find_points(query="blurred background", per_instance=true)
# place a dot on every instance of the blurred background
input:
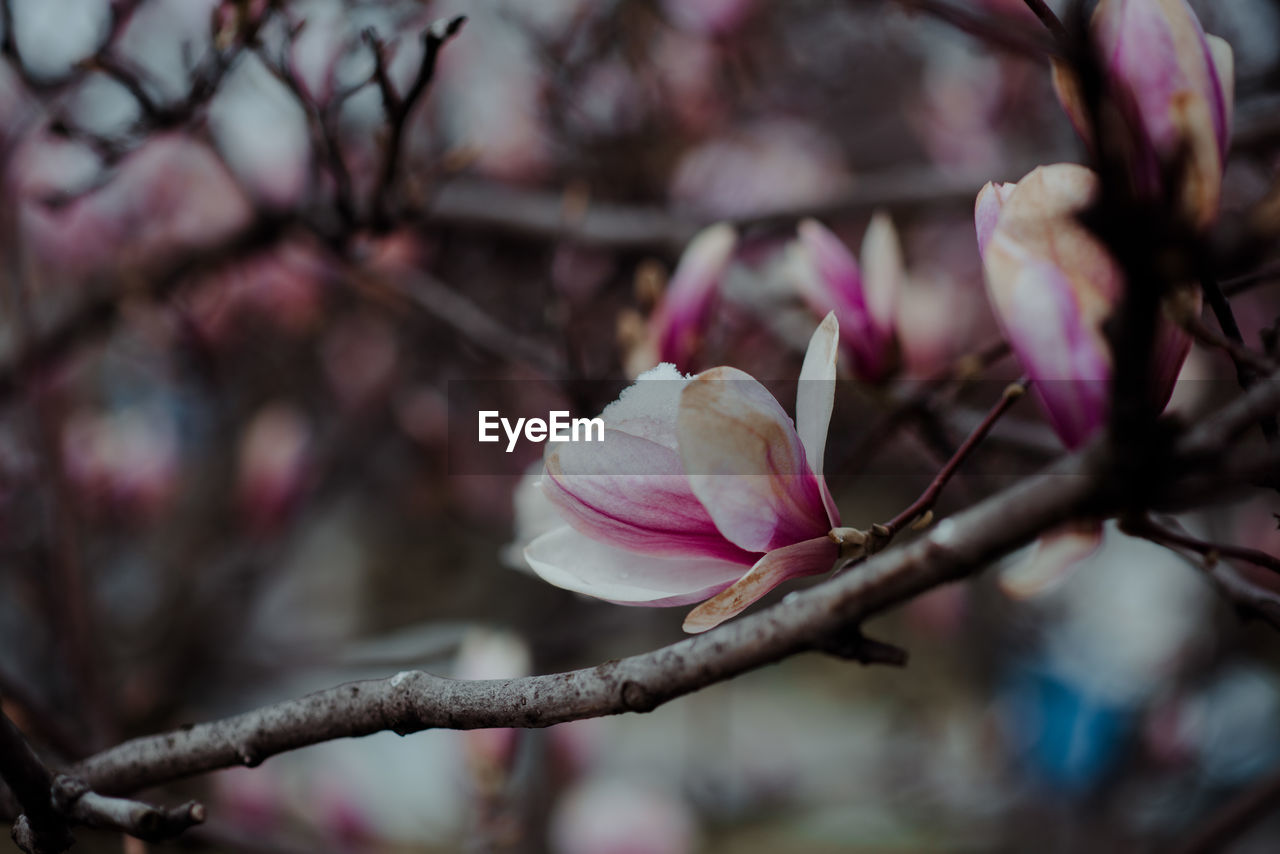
(227, 347)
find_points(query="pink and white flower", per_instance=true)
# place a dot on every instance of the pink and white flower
(864, 300)
(1176, 84)
(1053, 285)
(681, 316)
(703, 489)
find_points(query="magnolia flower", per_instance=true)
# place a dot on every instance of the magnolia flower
(1176, 83)
(702, 488)
(684, 309)
(865, 301)
(1053, 285)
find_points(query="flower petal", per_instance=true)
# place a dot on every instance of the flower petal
(633, 494)
(806, 558)
(1053, 558)
(746, 464)
(1061, 352)
(815, 400)
(883, 272)
(681, 316)
(986, 211)
(567, 559)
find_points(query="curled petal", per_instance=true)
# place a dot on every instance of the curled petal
(806, 558)
(746, 463)
(567, 559)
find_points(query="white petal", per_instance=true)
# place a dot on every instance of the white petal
(567, 559)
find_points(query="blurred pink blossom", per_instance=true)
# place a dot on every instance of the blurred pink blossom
(170, 194)
(126, 461)
(713, 18)
(866, 303)
(703, 487)
(273, 466)
(762, 167)
(491, 655)
(680, 318)
(617, 816)
(1053, 285)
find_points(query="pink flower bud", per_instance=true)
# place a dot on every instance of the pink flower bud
(1053, 285)
(1177, 85)
(702, 487)
(829, 279)
(681, 316)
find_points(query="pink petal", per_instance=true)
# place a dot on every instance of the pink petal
(680, 318)
(1065, 357)
(567, 559)
(815, 400)
(986, 212)
(806, 558)
(829, 280)
(1055, 555)
(746, 464)
(633, 494)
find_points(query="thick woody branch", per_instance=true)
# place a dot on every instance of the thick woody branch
(52, 805)
(412, 701)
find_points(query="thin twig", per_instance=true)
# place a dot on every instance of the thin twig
(1239, 353)
(399, 108)
(1146, 528)
(1246, 371)
(922, 505)
(993, 29)
(1049, 18)
(1246, 282)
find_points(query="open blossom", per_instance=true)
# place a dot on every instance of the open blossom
(703, 487)
(1175, 82)
(1053, 285)
(864, 300)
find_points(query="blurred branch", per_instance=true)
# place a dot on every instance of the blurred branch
(98, 313)
(1143, 526)
(1240, 284)
(1248, 365)
(997, 30)
(398, 108)
(547, 214)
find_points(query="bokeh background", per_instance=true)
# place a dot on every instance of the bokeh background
(225, 469)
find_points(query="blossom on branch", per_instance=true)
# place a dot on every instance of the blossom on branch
(865, 300)
(1174, 84)
(1053, 285)
(703, 487)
